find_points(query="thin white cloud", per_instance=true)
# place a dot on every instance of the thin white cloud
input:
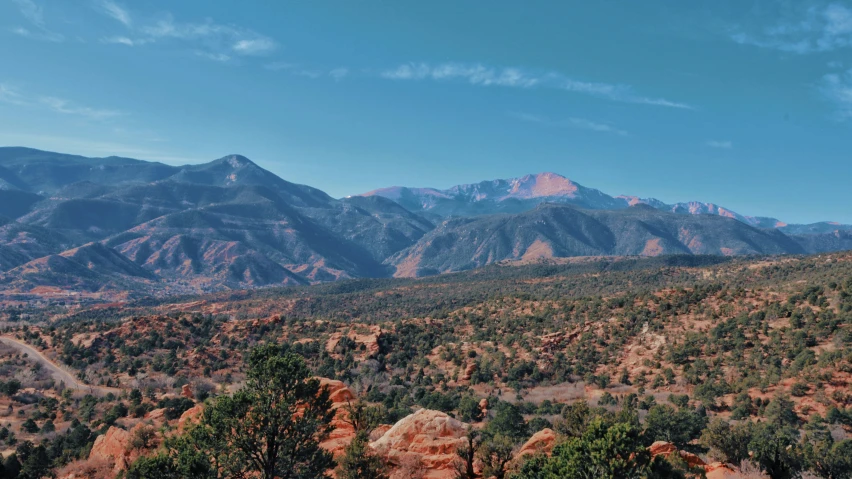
(474, 74)
(480, 75)
(216, 57)
(13, 96)
(208, 39)
(10, 95)
(60, 105)
(298, 70)
(837, 87)
(571, 122)
(721, 144)
(256, 46)
(122, 40)
(812, 29)
(339, 73)
(34, 14)
(117, 12)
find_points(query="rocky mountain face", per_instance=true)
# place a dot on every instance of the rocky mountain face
(558, 231)
(499, 196)
(118, 224)
(228, 223)
(522, 194)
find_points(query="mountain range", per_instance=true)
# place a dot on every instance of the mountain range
(71, 223)
(522, 194)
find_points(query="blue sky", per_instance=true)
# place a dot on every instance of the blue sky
(744, 103)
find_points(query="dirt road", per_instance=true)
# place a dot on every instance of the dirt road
(59, 374)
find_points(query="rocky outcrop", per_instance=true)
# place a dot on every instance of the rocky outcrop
(718, 470)
(483, 406)
(468, 372)
(541, 442)
(343, 432)
(715, 470)
(112, 447)
(338, 392)
(665, 449)
(431, 437)
(156, 415)
(190, 416)
(186, 391)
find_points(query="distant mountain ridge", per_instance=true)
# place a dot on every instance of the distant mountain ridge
(130, 227)
(522, 194)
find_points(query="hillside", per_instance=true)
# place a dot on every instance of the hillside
(224, 224)
(230, 224)
(684, 346)
(558, 231)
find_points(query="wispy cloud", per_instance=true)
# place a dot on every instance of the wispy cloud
(66, 107)
(810, 29)
(34, 14)
(10, 95)
(13, 96)
(571, 122)
(339, 73)
(117, 12)
(721, 144)
(473, 74)
(293, 69)
(216, 57)
(513, 77)
(255, 46)
(299, 70)
(208, 39)
(837, 87)
(122, 40)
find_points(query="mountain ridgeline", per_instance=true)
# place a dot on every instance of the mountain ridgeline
(70, 223)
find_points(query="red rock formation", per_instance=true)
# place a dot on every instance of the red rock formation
(468, 372)
(343, 432)
(483, 406)
(190, 416)
(662, 448)
(665, 449)
(379, 432)
(112, 446)
(432, 436)
(718, 470)
(186, 391)
(338, 392)
(542, 441)
(156, 415)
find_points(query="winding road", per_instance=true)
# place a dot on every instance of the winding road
(59, 374)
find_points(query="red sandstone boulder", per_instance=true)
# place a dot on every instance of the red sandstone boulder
(662, 448)
(113, 447)
(186, 391)
(718, 470)
(379, 432)
(343, 432)
(468, 372)
(190, 416)
(432, 436)
(338, 392)
(156, 415)
(542, 441)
